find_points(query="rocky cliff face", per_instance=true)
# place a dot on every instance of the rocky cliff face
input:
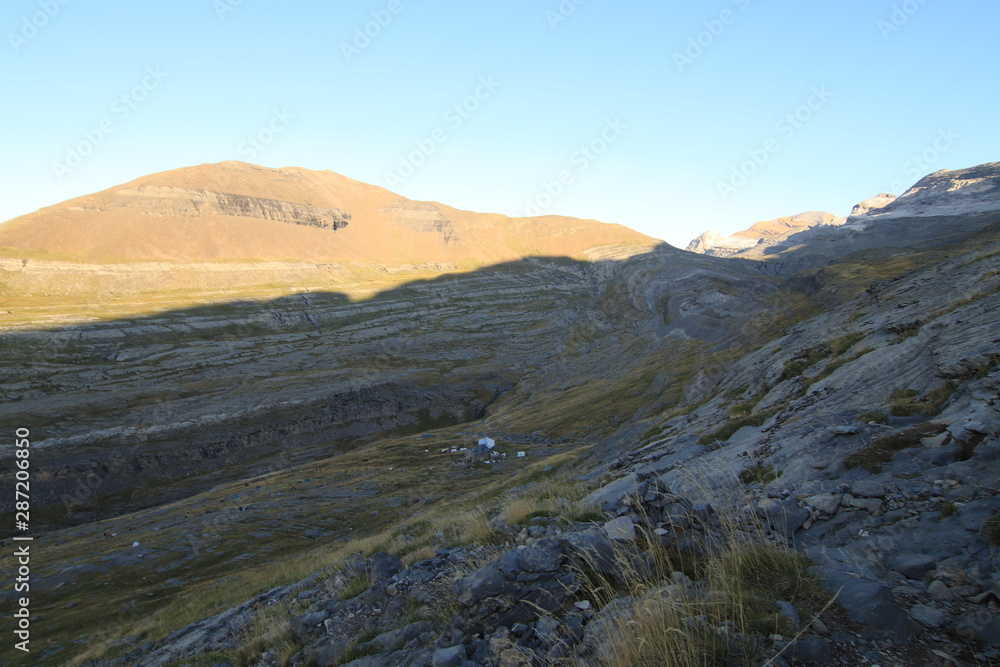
(189, 203)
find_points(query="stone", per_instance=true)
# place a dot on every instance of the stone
(849, 429)
(825, 503)
(453, 656)
(973, 515)
(936, 440)
(547, 630)
(704, 511)
(869, 604)
(868, 488)
(331, 653)
(545, 555)
(980, 626)
(394, 639)
(483, 583)
(937, 456)
(307, 625)
(612, 493)
(593, 549)
(512, 657)
(913, 566)
(789, 611)
(938, 590)
(870, 505)
(932, 617)
(785, 517)
(814, 650)
(621, 529)
(383, 567)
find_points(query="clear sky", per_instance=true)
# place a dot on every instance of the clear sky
(669, 117)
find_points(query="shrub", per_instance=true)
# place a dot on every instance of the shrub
(906, 331)
(904, 402)
(991, 529)
(743, 409)
(355, 586)
(669, 624)
(876, 417)
(794, 368)
(735, 425)
(840, 345)
(758, 474)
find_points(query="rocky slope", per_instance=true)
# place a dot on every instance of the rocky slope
(841, 397)
(923, 216)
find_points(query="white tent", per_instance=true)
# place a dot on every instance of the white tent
(488, 443)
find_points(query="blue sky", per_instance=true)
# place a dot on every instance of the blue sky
(669, 117)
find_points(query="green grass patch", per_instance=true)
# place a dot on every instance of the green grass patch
(834, 365)
(872, 417)
(947, 509)
(838, 346)
(758, 474)
(905, 332)
(874, 457)
(907, 402)
(671, 628)
(991, 529)
(355, 586)
(743, 409)
(734, 425)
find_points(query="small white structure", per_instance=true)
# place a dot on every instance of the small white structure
(520, 455)
(483, 451)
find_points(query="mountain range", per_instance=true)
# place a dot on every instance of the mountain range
(257, 370)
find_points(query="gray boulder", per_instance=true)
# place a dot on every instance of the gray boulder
(453, 656)
(981, 626)
(869, 604)
(913, 566)
(811, 650)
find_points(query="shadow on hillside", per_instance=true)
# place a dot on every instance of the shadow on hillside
(564, 269)
(123, 402)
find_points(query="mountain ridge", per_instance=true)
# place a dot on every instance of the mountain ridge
(973, 191)
(233, 211)
(841, 395)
